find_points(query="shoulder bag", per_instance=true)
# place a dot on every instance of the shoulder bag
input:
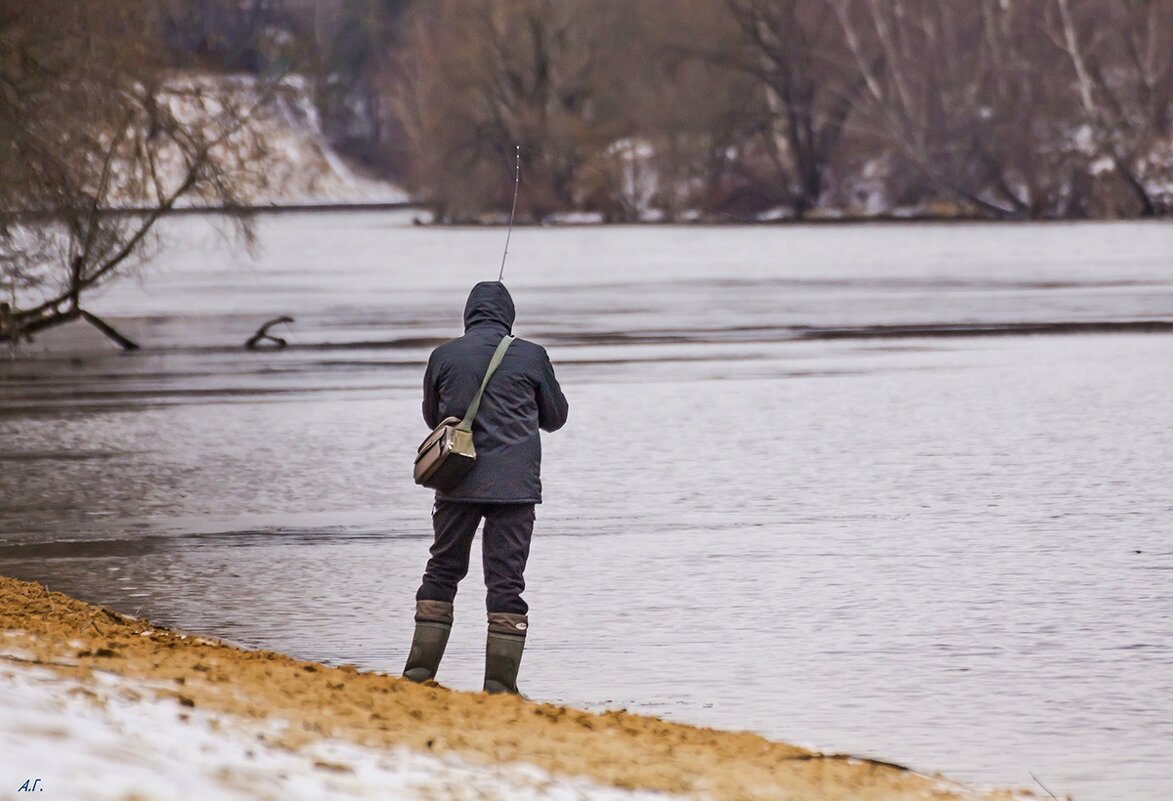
(446, 455)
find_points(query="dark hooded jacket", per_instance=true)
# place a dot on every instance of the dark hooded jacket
(522, 396)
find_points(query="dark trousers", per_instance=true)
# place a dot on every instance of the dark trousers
(504, 550)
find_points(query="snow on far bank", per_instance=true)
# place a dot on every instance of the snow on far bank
(304, 168)
(281, 157)
(113, 739)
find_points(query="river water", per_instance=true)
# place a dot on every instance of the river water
(894, 490)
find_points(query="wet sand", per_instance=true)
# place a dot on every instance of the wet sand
(79, 640)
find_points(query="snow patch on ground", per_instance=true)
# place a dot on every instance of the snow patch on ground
(113, 739)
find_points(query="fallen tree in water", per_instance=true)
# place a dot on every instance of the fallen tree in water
(14, 329)
(93, 124)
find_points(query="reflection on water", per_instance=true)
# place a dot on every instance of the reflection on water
(766, 512)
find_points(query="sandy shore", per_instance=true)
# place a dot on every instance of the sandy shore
(82, 645)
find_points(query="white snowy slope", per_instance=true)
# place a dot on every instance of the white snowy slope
(303, 168)
(111, 740)
(285, 158)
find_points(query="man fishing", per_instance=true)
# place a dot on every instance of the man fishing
(502, 488)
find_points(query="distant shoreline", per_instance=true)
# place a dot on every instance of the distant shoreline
(576, 219)
(714, 221)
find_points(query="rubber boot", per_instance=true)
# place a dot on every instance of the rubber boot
(433, 624)
(503, 650)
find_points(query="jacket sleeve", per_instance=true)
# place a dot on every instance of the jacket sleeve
(552, 405)
(431, 393)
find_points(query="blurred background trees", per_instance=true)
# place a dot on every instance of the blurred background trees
(473, 81)
(658, 109)
(712, 109)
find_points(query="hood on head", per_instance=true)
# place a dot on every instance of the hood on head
(489, 302)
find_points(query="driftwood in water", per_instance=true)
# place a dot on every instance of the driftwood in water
(263, 335)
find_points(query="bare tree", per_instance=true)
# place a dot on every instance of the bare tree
(1121, 58)
(1006, 109)
(955, 90)
(100, 141)
(685, 115)
(798, 55)
(474, 81)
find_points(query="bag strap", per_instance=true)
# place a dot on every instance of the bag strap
(498, 355)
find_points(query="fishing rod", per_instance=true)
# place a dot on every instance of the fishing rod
(509, 233)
